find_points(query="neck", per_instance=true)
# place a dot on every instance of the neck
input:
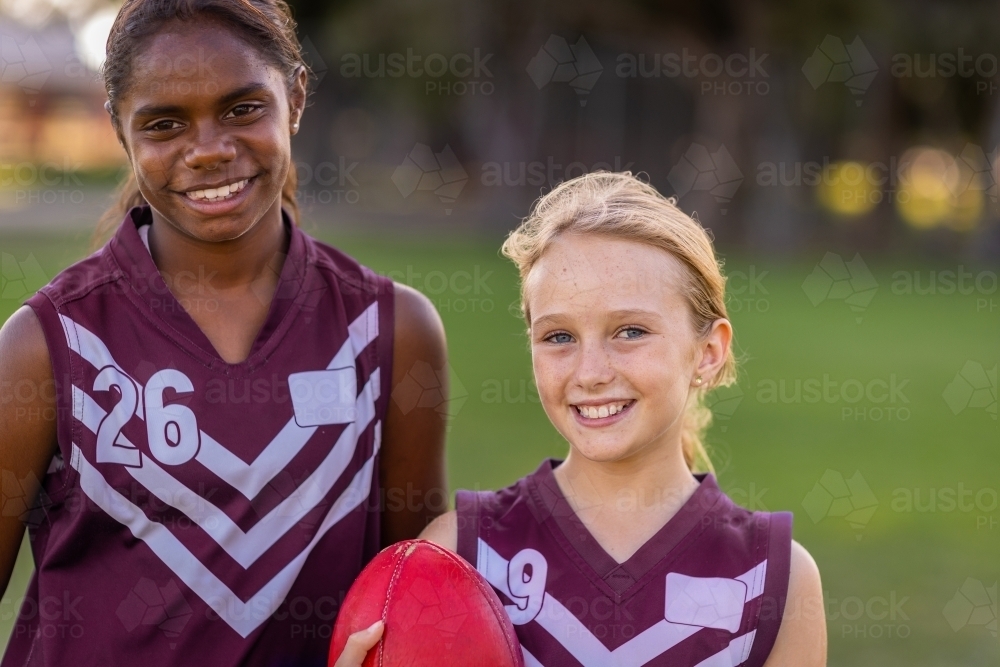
(654, 483)
(221, 265)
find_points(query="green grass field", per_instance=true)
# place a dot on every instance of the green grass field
(857, 464)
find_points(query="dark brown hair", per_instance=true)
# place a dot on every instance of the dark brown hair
(266, 25)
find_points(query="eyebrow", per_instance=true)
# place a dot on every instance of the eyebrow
(545, 320)
(167, 109)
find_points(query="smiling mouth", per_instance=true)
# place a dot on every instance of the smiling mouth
(218, 194)
(602, 411)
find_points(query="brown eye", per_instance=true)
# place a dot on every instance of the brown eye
(244, 109)
(163, 126)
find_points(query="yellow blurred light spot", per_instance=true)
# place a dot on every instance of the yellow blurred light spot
(848, 189)
(938, 190)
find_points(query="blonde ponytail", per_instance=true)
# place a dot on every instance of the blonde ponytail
(622, 206)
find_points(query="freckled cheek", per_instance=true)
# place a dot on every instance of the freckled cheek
(551, 377)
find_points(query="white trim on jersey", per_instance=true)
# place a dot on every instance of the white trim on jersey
(243, 617)
(248, 479)
(590, 651)
(244, 547)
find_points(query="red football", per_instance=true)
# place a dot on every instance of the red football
(438, 612)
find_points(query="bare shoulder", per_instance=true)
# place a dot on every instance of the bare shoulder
(23, 350)
(801, 640)
(417, 316)
(443, 531)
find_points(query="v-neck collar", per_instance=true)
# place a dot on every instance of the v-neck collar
(137, 267)
(619, 580)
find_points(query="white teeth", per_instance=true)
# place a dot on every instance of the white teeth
(218, 194)
(600, 412)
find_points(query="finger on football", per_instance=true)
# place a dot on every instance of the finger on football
(358, 645)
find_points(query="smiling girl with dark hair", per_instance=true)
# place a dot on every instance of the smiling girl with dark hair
(209, 463)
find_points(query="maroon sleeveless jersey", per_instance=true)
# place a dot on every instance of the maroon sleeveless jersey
(707, 590)
(200, 512)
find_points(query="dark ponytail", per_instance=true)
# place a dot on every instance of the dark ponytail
(267, 25)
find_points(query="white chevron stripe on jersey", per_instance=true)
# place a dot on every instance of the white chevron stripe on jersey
(246, 548)
(248, 479)
(735, 654)
(530, 660)
(754, 579)
(577, 639)
(243, 616)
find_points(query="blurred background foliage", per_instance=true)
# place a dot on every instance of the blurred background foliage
(850, 183)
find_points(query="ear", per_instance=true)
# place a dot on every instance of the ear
(297, 99)
(714, 348)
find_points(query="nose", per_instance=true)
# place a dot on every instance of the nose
(594, 366)
(211, 149)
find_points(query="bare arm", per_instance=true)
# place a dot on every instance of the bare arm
(27, 422)
(412, 470)
(443, 531)
(801, 640)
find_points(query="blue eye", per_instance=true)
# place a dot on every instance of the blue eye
(631, 333)
(560, 338)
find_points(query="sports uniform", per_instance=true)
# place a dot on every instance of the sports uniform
(200, 512)
(707, 590)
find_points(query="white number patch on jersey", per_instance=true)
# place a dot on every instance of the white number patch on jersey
(692, 604)
(324, 397)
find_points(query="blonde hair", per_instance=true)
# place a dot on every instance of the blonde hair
(622, 206)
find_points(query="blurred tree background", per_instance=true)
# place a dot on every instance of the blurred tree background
(843, 154)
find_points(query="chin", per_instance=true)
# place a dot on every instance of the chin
(604, 453)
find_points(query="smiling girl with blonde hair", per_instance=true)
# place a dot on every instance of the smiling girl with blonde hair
(622, 554)
(628, 553)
